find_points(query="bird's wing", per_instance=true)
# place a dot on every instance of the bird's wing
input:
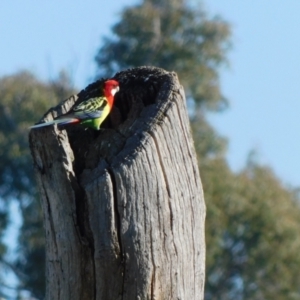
(90, 109)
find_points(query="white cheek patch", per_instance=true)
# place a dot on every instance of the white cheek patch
(113, 91)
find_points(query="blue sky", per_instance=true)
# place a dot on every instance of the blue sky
(261, 84)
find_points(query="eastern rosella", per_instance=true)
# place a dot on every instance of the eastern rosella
(90, 113)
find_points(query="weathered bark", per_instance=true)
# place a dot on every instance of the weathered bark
(123, 209)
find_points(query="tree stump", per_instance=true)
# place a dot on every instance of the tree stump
(123, 207)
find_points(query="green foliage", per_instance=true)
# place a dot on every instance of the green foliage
(252, 225)
(251, 233)
(31, 261)
(174, 36)
(23, 101)
(207, 142)
(3, 225)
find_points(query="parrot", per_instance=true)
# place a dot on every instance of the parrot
(91, 112)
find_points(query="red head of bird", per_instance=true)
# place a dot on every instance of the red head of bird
(110, 88)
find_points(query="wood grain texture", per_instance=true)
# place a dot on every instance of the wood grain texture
(124, 209)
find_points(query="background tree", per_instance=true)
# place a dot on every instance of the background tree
(174, 36)
(251, 233)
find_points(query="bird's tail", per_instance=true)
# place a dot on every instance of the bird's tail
(58, 122)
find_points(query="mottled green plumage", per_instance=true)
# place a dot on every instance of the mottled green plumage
(92, 112)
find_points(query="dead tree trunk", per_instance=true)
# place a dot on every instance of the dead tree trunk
(123, 208)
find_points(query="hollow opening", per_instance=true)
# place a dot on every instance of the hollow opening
(139, 88)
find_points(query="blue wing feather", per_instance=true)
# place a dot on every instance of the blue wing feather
(82, 115)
